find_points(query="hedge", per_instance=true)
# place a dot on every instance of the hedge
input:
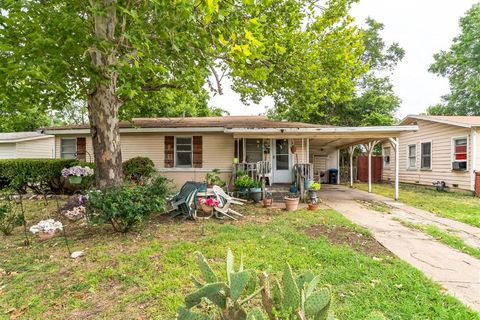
(40, 175)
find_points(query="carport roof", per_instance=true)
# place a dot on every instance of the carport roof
(11, 137)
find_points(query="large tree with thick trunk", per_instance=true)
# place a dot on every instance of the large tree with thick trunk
(127, 57)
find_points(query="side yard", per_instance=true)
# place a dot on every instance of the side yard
(462, 207)
(146, 273)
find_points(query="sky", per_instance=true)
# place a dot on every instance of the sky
(421, 27)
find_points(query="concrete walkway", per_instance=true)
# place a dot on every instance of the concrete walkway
(457, 272)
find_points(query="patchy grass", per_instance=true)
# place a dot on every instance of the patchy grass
(462, 207)
(145, 273)
(443, 236)
(376, 206)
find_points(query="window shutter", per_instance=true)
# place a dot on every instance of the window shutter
(82, 149)
(197, 151)
(169, 151)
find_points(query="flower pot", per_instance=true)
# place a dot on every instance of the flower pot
(75, 179)
(313, 206)
(46, 235)
(312, 195)
(235, 160)
(256, 194)
(205, 208)
(293, 149)
(291, 204)
(293, 189)
(268, 202)
(307, 183)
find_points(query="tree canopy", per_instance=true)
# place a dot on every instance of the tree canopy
(369, 97)
(461, 65)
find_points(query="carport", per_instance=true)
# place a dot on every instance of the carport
(269, 145)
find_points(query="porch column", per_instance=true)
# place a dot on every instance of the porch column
(351, 150)
(338, 166)
(395, 142)
(370, 146)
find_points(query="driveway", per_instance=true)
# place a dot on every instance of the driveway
(457, 272)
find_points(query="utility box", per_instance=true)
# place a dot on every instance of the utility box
(477, 183)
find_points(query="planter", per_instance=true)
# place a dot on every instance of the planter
(307, 183)
(313, 206)
(46, 235)
(293, 189)
(312, 194)
(293, 149)
(256, 194)
(291, 204)
(205, 208)
(268, 202)
(235, 160)
(75, 179)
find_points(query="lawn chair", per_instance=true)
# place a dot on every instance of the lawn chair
(181, 202)
(225, 201)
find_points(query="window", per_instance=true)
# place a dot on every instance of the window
(68, 148)
(426, 155)
(460, 154)
(386, 158)
(183, 152)
(257, 150)
(412, 156)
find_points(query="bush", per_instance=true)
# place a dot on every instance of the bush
(8, 219)
(128, 204)
(40, 175)
(138, 169)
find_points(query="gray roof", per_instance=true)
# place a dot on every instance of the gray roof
(21, 136)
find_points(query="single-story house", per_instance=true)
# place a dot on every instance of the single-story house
(187, 148)
(26, 145)
(445, 148)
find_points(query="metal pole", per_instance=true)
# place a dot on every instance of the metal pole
(370, 150)
(397, 166)
(351, 149)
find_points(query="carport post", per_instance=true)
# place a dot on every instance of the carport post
(351, 150)
(370, 146)
(395, 142)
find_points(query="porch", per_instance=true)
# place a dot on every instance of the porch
(286, 156)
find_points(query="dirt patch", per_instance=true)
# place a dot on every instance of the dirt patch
(344, 236)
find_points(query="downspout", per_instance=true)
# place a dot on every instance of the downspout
(473, 157)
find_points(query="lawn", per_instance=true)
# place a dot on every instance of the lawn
(454, 205)
(145, 273)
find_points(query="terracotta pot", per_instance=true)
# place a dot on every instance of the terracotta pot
(291, 204)
(45, 235)
(313, 206)
(205, 208)
(293, 149)
(268, 202)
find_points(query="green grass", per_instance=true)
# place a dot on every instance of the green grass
(462, 207)
(145, 274)
(443, 236)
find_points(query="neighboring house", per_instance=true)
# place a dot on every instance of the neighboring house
(445, 148)
(187, 148)
(26, 145)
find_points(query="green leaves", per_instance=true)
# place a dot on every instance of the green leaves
(208, 291)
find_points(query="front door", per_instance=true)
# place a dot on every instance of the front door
(281, 161)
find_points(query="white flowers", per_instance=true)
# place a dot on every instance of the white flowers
(46, 226)
(77, 171)
(76, 213)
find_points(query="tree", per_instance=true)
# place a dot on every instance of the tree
(370, 99)
(119, 54)
(25, 120)
(461, 65)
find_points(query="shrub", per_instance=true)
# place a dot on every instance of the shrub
(125, 206)
(213, 177)
(37, 174)
(138, 169)
(8, 219)
(244, 182)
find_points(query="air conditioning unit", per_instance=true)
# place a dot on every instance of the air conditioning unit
(459, 165)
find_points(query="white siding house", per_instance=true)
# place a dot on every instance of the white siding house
(445, 148)
(26, 145)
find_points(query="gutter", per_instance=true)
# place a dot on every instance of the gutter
(26, 139)
(386, 129)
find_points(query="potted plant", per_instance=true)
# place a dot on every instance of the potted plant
(268, 200)
(312, 191)
(291, 202)
(46, 228)
(256, 191)
(208, 204)
(213, 178)
(75, 174)
(243, 183)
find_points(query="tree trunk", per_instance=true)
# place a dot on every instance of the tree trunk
(103, 111)
(103, 103)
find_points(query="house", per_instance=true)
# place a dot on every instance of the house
(187, 148)
(26, 145)
(445, 148)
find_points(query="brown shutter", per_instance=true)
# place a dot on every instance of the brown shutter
(197, 151)
(81, 149)
(169, 151)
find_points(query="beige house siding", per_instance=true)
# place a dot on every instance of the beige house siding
(7, 150)
(477, 151)
(36, 149)
(441, 136)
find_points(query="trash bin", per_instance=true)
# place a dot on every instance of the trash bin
(332, 176)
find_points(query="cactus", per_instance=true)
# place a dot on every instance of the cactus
(290, 298)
